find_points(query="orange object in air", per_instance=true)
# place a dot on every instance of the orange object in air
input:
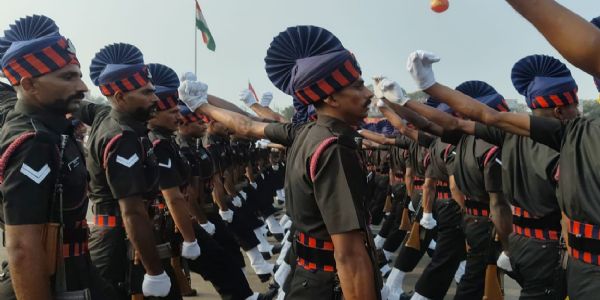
(439, 6)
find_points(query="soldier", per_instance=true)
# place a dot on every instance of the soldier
(442, 210)
(213, 264)
(575, 140)
(43, 175)
(124, 176)
(326, 201)
(477, 171)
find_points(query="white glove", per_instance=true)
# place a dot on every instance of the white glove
(262, 143)
(391, 90)
(190, 250)
(236, 201)
(209, 228)
(254, 185)
(411, 207)
(227, 215)
(266, 98)
(380, 103)
(428, 221)
(188, 76)
(503, 262)
(275, 167)
(378, 93)
(419, 65)
(379, 241)
(193, 93)
(156, 286)
(247, 97)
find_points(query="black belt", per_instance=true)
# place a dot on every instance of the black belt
(314, 254)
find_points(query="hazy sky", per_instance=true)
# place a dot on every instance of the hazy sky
(477, 39)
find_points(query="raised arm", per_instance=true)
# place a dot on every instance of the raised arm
(398, 123)
(417, 118)
(420, 66)
(240, 124)
(376, 137)
(574, 37)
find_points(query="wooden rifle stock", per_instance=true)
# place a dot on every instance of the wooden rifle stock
(405, 221)
(414, 238)
(136, 261)
(492, 290)
(182, 280)
(51, 246)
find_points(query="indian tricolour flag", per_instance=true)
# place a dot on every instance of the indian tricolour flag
(203, 27)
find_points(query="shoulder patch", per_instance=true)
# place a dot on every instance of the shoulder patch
(128, 162)
(167, 165)
(37, 176)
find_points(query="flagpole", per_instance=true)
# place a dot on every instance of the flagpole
(195, 44)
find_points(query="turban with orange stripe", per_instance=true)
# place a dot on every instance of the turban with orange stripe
(119, 67)
(166, 83)
(544, 81)
(310, 63)
(33, 47)
(483, 93)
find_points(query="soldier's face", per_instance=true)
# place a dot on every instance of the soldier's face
(60, 91)
(141, 103)
(168, 119)
(194, 129)
(354, 100)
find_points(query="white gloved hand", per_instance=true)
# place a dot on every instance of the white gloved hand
(193, 93)
(376, 91)
(266, 98)
(411, 207)
(254, 185)
(503, 262)
(157, 285)
(275, 167)
(427, 221)
(247, 97)
(227, 215)
(391, 91)
(419, 65)
(236, 201)
(209, 227)
(188, 76)
(380, 103)
(262, 143)
(190, 250)
(244, 195)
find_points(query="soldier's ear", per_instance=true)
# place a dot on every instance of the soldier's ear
(119, 97)
(27, 84)
(331, 101)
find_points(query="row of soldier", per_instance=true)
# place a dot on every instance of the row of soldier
(473, 172)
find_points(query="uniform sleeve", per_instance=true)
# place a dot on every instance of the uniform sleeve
(490, 134)
(492, 171)
(125, 169)
(402, 142)
(168, 175)
(282, 133)
(450, 159)
(88, 111)
(424, 139)
(452, 137)
(340, 189)
(28, 185)
(547, 131)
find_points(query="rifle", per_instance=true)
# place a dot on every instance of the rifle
(414, 238)
(136, 263)
(493, 287)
